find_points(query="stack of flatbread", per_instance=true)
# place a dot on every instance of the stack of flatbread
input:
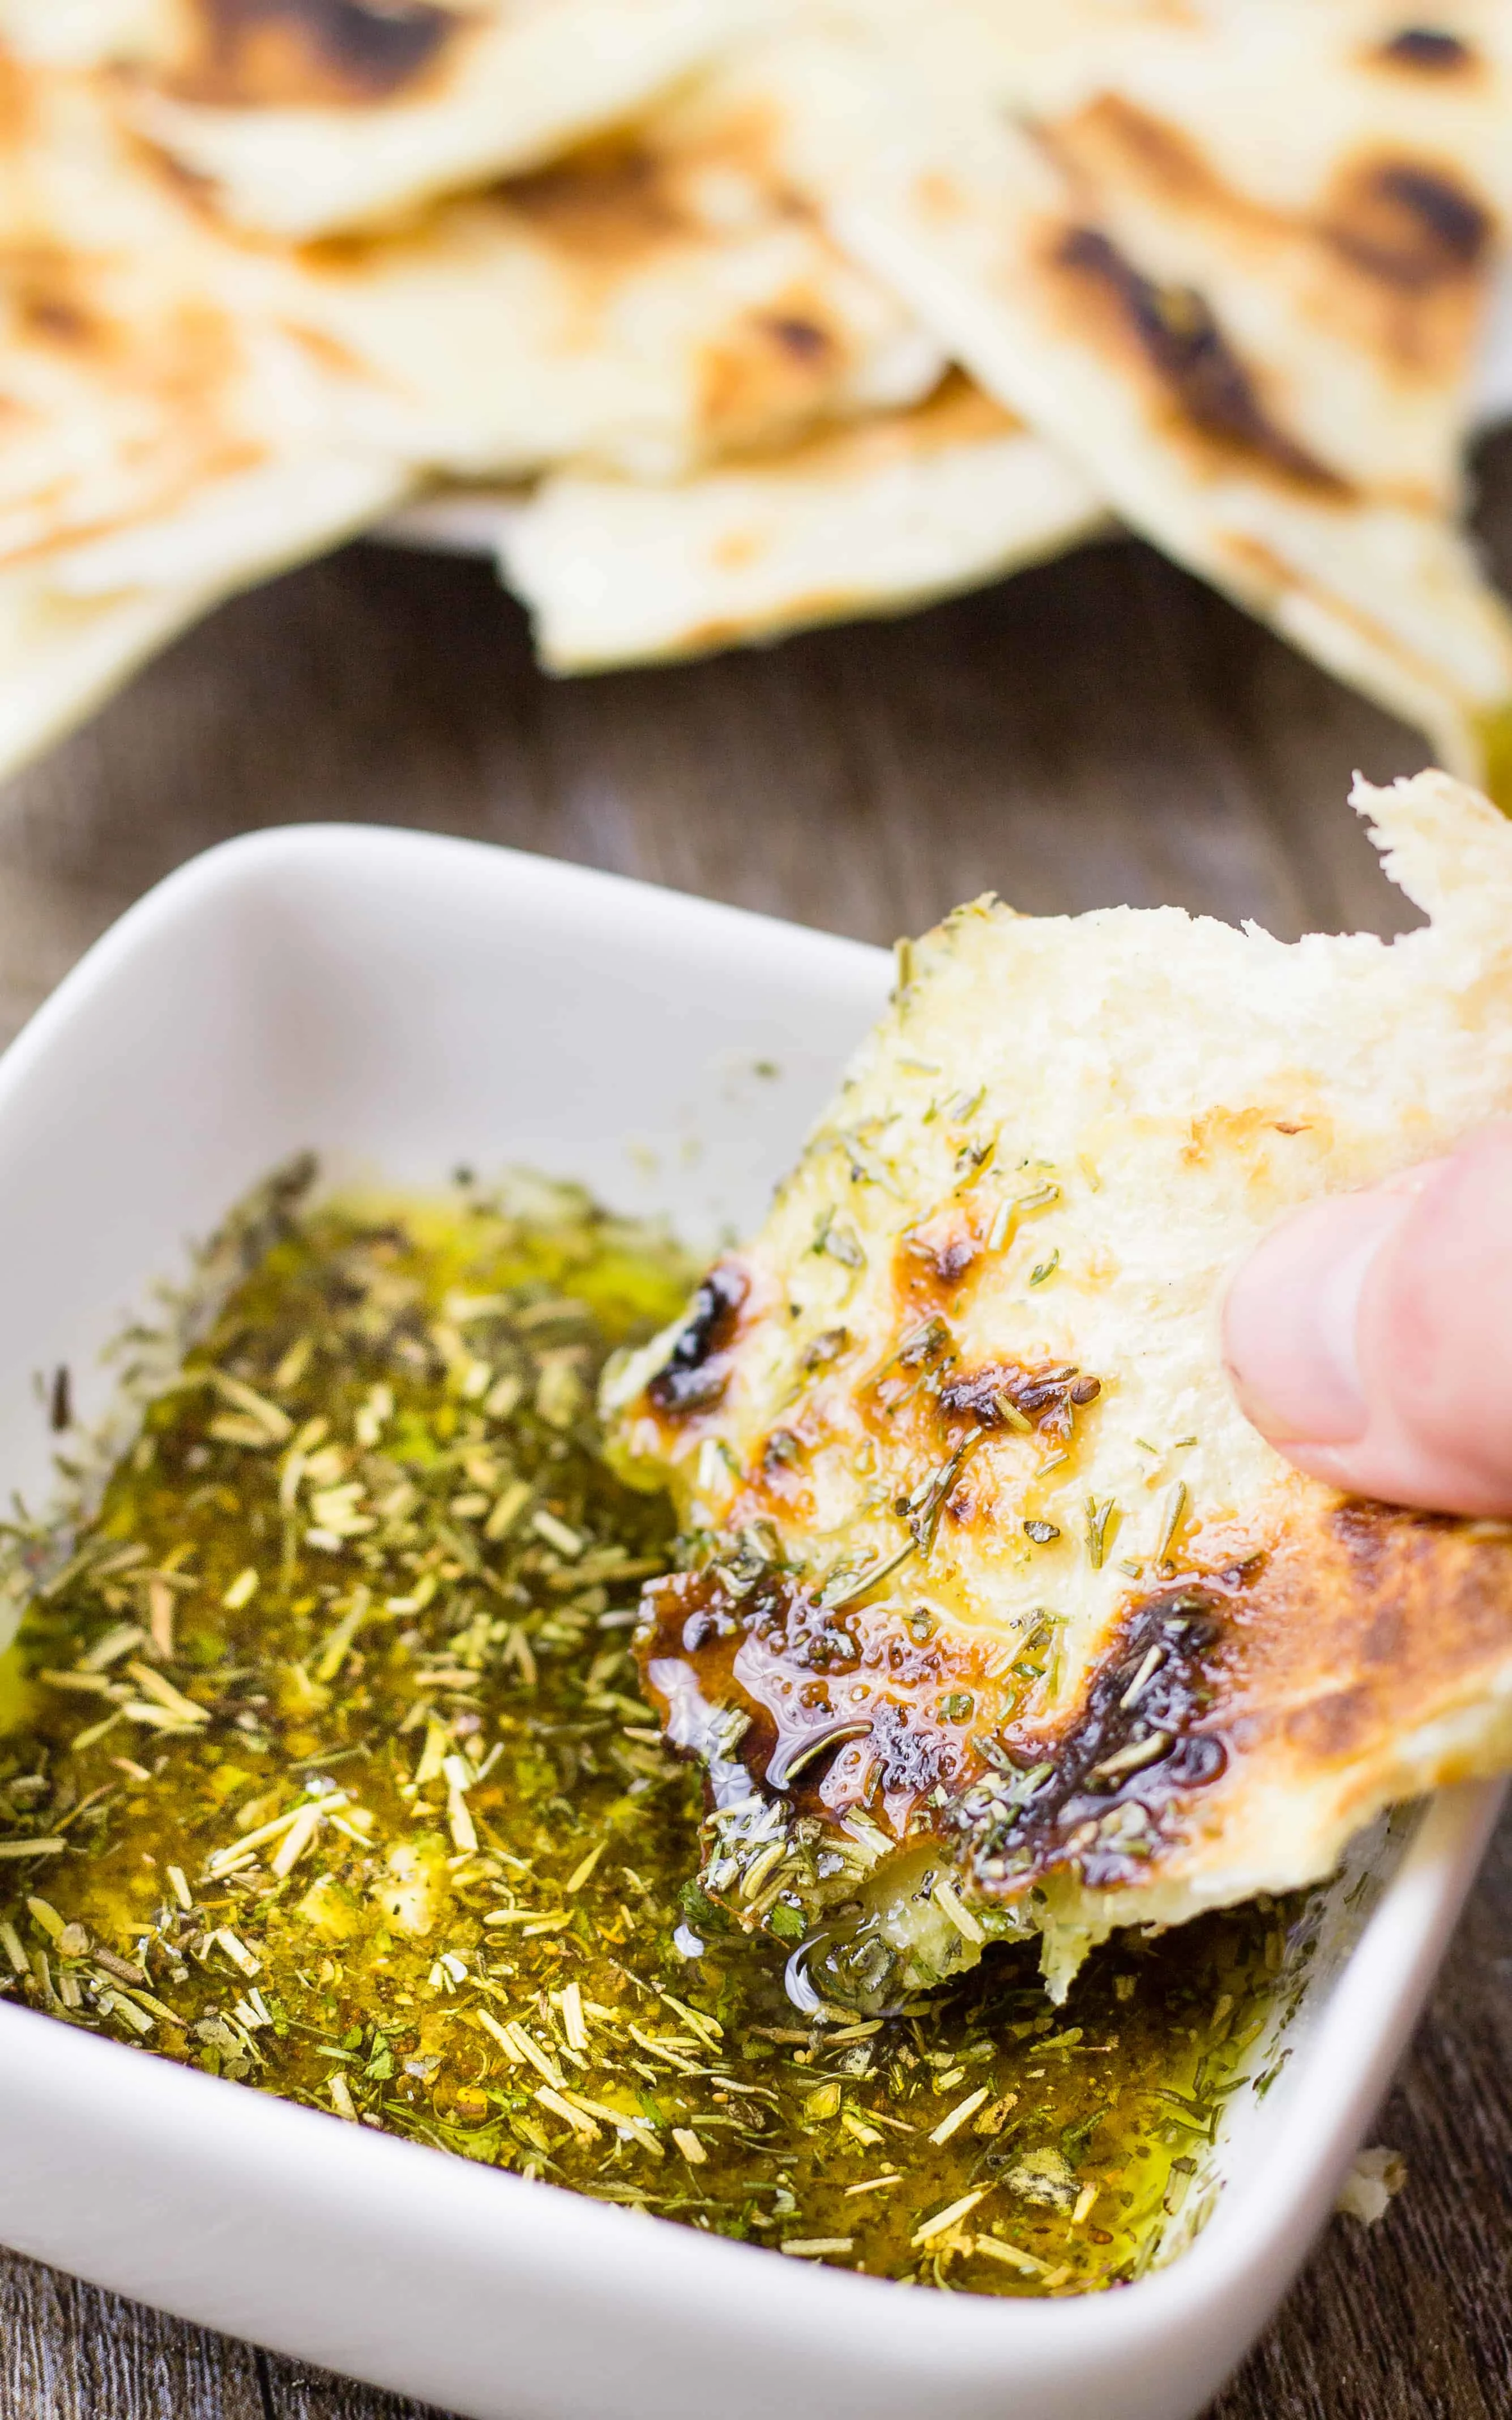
(743, 314)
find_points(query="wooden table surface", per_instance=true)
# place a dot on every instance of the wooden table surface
(1102, 729)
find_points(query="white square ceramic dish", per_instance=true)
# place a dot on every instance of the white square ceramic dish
(403, 1003)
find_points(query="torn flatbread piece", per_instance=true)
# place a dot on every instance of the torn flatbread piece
(132, 371)
(76, 621)
(61, 656)
(183, 408)
(999, 1616)
(159, 440)
(881, 515)
(1272, 380)
(303, 118)
(646, 304)
(1285, 90)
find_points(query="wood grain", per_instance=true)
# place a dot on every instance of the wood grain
(1102, 729)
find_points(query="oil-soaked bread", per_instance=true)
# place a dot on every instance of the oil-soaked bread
(998, 1614)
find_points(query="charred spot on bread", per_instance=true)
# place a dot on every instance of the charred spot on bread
(1428, 48)
(804, 339)
(1409, 224)
(1092, 1793)
(1184, 343)
(291, 52)
(41, 284)
(612, 201)
(695, 1374)
(800, 1689)
(1010, 1394)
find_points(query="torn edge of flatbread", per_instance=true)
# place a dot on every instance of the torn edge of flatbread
(998, 1617)
(304, 122)
(1278, 397)
(188, 410)
(75, 625)
(885, 513)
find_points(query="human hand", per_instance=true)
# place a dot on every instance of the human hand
(1369, 1337)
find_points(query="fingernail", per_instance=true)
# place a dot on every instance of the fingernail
(1290, 1325)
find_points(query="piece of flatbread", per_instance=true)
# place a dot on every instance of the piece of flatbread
(131, 372)
(76, 621)
(646, 305)
(307, 116)
(61, 656)
(184, 409)
(1233, 72)
(1000, 1617)
(886, 513)
(159, 442)
(1226, 277)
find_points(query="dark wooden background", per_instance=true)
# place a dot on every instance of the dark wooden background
(1103, 729)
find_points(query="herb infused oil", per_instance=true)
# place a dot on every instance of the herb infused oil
(323, 1768)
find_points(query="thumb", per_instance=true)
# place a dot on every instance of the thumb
(1369, 1337)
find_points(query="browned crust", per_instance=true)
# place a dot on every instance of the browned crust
(1300, 1667)
(699, 1359)
(1393, 252)
(316, 53)
(622, 197)
(612, 203)
(1365, 1627)
(45, 293)
(1203, 392)
(1429, 54)
(18, 107)
(1411, 224)
(772, 370)
(178, 365)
